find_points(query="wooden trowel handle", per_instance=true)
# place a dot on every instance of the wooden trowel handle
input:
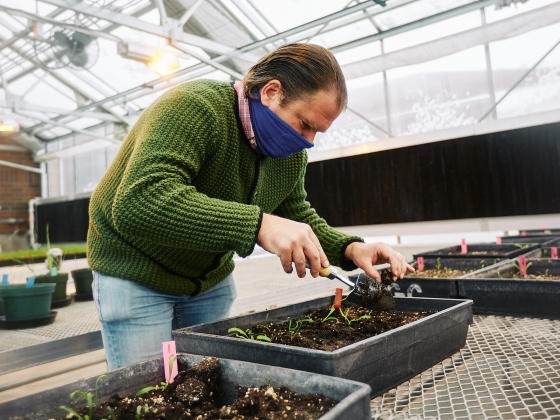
(323, 272)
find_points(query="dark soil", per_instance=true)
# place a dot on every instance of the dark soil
(445, 273)
(342, 328)
(193, 394)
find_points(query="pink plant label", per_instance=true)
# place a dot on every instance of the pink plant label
(498, 240)
(523, 233)
(4, 279)
(30, 282)
(553, 252)
(464, 247)
(543, 227)
(420, 263)
(522, 265)
(168, 352)
(337, 299)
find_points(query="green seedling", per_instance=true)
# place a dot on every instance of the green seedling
(438, 265)
(482, 263)
(329, 317)
(111, 413)
(349, 321)
(248, 334)
(162, 385)
(496, 260)
(545, 253)
(527, 266)
(522, 246)
(89, 399)
(8, 240)
(294, 329)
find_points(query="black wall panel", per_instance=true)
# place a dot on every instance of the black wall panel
(510, 173)
(67, 220)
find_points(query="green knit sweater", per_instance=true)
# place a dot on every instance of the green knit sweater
(186, 191)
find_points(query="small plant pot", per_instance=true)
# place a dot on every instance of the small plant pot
(23, 303)
(61, 279)
(82, 280)
(353, 397)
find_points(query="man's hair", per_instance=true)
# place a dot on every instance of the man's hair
(302, 69)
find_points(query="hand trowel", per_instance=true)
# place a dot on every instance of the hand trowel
(366, 292)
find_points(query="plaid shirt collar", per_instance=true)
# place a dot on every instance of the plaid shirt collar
(244, 113)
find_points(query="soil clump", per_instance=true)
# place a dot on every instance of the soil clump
(445, 273)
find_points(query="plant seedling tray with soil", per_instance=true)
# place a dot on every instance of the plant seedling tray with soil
(480, 251)
(438, 278)
(383, 360)
(500, 289)
(207, 386)
(545, 252)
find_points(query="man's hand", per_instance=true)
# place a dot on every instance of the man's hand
(293, 242)
(365, 256)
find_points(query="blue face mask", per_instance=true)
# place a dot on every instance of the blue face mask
(275, 137)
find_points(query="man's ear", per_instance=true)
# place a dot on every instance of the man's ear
(271, 92)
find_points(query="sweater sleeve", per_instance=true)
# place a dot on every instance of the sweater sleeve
(156, 199)
(334, 243)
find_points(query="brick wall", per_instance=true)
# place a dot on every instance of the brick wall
(17, 187)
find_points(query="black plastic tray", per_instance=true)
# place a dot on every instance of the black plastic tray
(21, 324)
(529, 239)
(353, 396)
(506, 251)
(441, 287)
(382, 362)
(494, 295)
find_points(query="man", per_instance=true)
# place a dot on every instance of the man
(210, 169)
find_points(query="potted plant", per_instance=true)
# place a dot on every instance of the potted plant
(54, 264)
(82, 280)
(27, 305)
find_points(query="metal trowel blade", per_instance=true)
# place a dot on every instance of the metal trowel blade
(371, 294)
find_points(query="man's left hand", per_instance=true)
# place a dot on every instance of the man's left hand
(365, 256)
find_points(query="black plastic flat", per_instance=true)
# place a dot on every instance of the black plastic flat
(21, 324)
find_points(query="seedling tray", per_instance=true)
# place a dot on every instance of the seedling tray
(529, 239)
(504, 251)
(382, 361)
(440, 287)
(353, 396)
(494, 295)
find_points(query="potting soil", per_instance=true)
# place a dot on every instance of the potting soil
(193, 393)
(476, 253)
(446, 273)
(322, 330)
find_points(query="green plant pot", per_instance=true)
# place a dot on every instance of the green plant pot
(21, 302)
(82, 280)
(60, 280)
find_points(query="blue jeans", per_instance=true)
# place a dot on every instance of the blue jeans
(135, 319)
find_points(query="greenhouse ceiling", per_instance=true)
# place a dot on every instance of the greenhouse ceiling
(70, 68)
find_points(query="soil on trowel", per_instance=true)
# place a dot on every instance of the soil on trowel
(330, 329)
(445, 273)
(192, 395)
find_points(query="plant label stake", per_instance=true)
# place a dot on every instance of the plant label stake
(522, 265)
(553, 252)
(498, 240)
(464, 248)
(523, 233)
(4, 279)
(420, 263)
(54, 271)
(337, 298)
(30, 282)
(169, 351)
